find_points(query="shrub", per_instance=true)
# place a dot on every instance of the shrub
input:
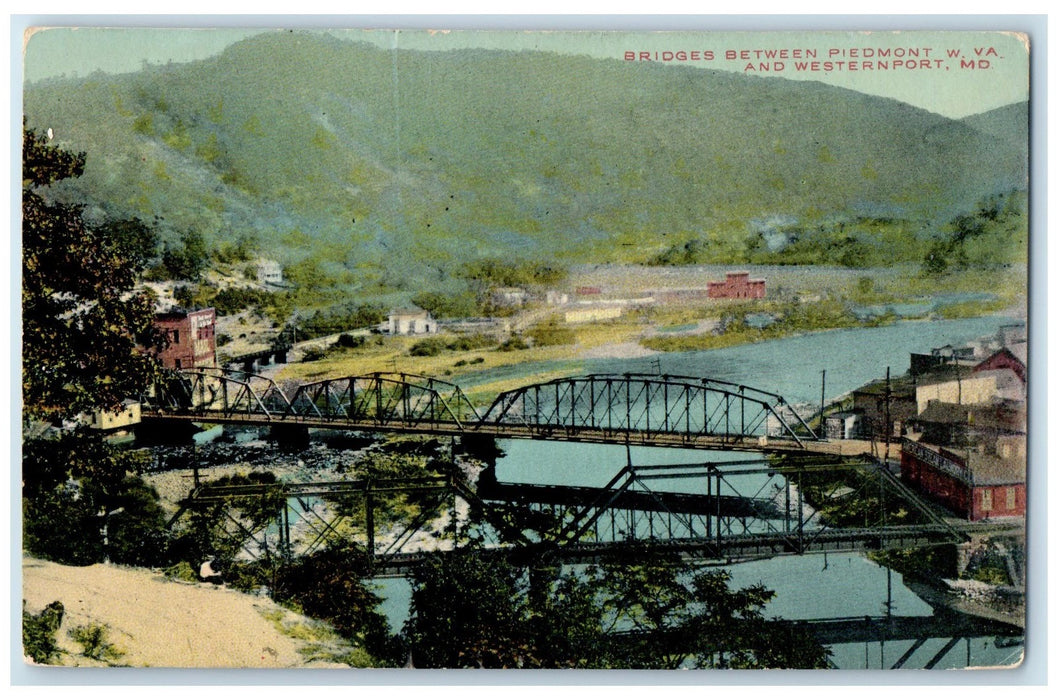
(473, 341)
(234, 299)
(328, 585)
(429, 347)
(350, 341)
(181, 571)
(515, 342)
(93, 639)
(39, 631)
(551, 334)
(184, 295)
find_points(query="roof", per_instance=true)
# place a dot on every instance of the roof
(992, 470)
(1004, 415)
(411, 311)
(1020, 351)
(180, 312)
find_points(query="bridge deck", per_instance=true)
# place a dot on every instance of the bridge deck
(726, 549)
(649, 501)
(831, 631)
(638, 438)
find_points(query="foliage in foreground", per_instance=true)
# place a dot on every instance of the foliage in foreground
(95, 641)
(82, 503)
(87, 334)
(472, 609)
(328, 585)
(39, 633)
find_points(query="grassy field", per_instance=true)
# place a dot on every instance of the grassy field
(802, 300)
(393, 354)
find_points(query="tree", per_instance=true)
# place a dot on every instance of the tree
(469, 612)
(189, 260)
(88, 338)
(329, 585)
(642, 609)
(75, 485)
(88, 343)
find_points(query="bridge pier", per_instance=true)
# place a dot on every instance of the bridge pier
(152, 434)
(289, 437)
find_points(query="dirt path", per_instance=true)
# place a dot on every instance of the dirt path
(156, 622)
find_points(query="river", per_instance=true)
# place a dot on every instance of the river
(807, 587)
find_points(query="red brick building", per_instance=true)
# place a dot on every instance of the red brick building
(1003, 359)
(738, 285)
(192, 338)
(974, 485)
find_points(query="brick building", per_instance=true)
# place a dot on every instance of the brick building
(192, 338)
(738, 285)
(973, 484)
(1004, 358)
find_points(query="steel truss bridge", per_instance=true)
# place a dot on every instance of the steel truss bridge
(794, 503)
(908, 635)
(719, 511)
(633, 409)
(725, 512)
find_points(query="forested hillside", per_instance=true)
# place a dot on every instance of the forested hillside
(384, 171)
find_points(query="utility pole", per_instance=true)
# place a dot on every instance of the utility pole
(822, 405)
(888, 417)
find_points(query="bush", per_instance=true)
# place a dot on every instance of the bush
(350, 341)
(472, 341)
(93, 639)
(184, 295)
(39, 632)
(181, 571)
(550, 334)
(429, 347)
(329, 585)
(515, 342)
(231, 300)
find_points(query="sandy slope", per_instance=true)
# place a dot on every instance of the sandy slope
(162, 623)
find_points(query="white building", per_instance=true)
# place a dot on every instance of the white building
(509, 296)
(410, 322)
(269, 272)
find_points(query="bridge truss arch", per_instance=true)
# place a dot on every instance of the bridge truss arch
(225, 393)
(649, 405)
(386, 398)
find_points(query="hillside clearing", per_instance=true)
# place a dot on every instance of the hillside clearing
(155, 622)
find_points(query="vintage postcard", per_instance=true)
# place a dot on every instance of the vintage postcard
(524, 350)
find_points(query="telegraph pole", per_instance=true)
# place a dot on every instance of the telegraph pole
(888, 417)
(822, 405)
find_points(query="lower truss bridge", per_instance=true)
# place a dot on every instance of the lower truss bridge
(627, 409)
(717, 512)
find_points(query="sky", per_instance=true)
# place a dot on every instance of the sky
(991, 68)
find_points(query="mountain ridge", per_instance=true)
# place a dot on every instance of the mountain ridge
(388, 165)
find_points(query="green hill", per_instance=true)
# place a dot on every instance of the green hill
(386, 170)
(1009, 123)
